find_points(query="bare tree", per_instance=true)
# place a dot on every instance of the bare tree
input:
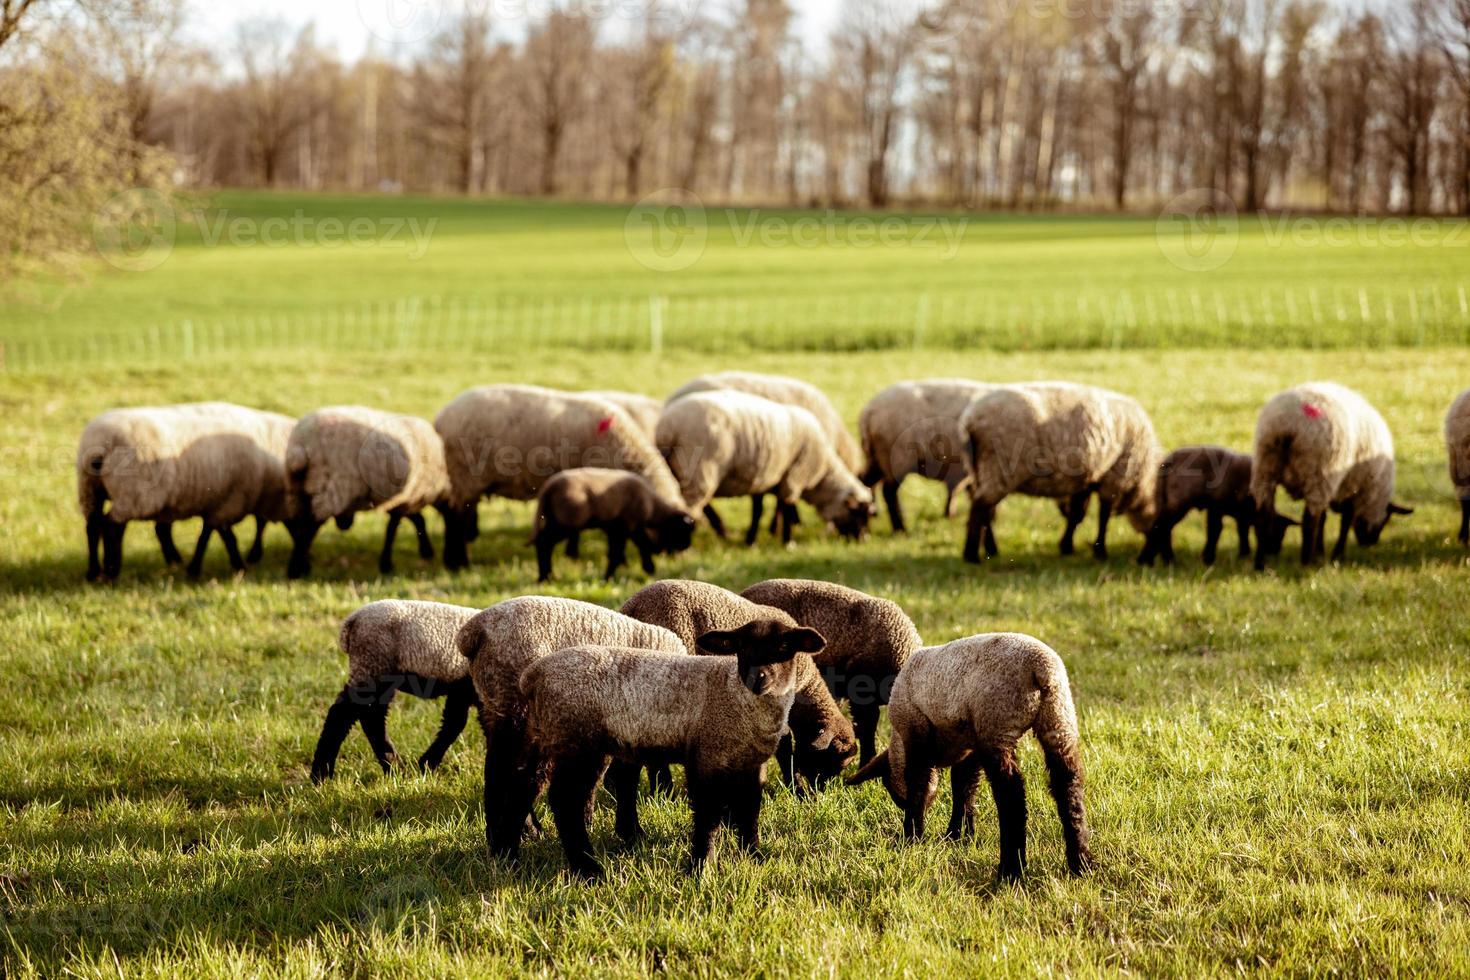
(872, 52)
(558, 51)
(1413, 70)
(453, 99)
(638, 80)
(274, 67)
(1454, 32)
(1125, 41)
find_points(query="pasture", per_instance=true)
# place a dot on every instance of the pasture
(1277, 777)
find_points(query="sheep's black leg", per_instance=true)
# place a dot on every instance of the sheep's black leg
(979, 532)
(1009, 789)
(743, 800)
(421, 530)
(1265, 518)
(1076, 513)
(777, 518)
(385, 560)
(1311, 534)
(1214, 527)
(865, 722)
(1104, 515)
(112, 547)
(196, 564)
(716, 524)
(964, 781)
(94, 541)
(573, 784)
(456, 540)
(645, 550)
(622, 782)
(513, 780)
(303, 533)
(547, 538)
(343, 714)
(232, 548)
(456, 714)
(617, 550)
(950, 489)
(757, 511)
(574, 544)
(1160, 541)
(895, 508)
(1465, 521)
(257, 547)
(1243, 521)
(708, 804)
(165, 532)
(1065, 772)
(918, 773)
(1340, 552)
(375, 723)
(790, 518)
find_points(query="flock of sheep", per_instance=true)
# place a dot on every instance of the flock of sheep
(644, 472)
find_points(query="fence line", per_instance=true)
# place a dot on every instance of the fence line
(1082, 319)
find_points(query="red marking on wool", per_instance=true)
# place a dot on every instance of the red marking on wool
(605, 426)
(1312, 411)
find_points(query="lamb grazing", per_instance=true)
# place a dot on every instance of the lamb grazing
(1330, 449)
(395, 646)
(1066, 442)
(730, 444)
(720, 716)
(508, 440)
(914, 427)
(787, 391)
(346, 460)
(868, 641)
(966, 705)
(1457, 438)
(621, 504)
(821, 741)
(215, 461)
(500, 643)
(1214, 480)
(642, 409)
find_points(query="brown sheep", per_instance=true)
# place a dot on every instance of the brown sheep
(1216, 481)
(621, 504)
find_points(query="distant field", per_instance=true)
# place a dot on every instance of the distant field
(1277, 772)
(251, 271)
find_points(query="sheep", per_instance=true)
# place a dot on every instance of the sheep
(348, 459)
(1066, 442)
(621, 504)
(1457, 439)
(821, 741)
(1208, 478)
(508, 440)
(721, 717)
(787, 391)
(1330, 449)
(914, 427)
(500, 643)
(212, 460)
(642, 409)
(868, 641)
(394, 646)
(965, 705)
(729, 443)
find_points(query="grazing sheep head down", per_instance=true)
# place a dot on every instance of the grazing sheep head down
(1270, 543)
(675, 533)
(765, 652)
(1368, 532)
(882, 768)
(850, 517)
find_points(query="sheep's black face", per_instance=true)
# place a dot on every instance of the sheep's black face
(853, 523)
(1368, 534)
(764, 650)
(675, 534)
(823, 759)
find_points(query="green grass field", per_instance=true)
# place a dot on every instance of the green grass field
(1277, 775)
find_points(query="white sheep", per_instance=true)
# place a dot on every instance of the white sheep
(1065, 442)
(643, 409)
(397, 646)
(1457, 441)
(215, 461)
(500, 643)
(966, 705)
(348, 459)
(1330, 449)
(720, 716)
(914, 427)
(508, 440)
(732, 444)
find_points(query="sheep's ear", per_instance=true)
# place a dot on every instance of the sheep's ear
(1400, 509)
(804, 640)
(877, 768)
(720, 643)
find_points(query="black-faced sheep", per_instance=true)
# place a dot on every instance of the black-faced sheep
(621, 504)
(1332, 450)
(732, 444)
(965, 705)
(500, 643)
(346, 460)
(868, 641)
(508, 440)
(392, 647)
(214, 461)
(1066, 442)
(721, 717)
(1214, 480)
(1457, 441)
